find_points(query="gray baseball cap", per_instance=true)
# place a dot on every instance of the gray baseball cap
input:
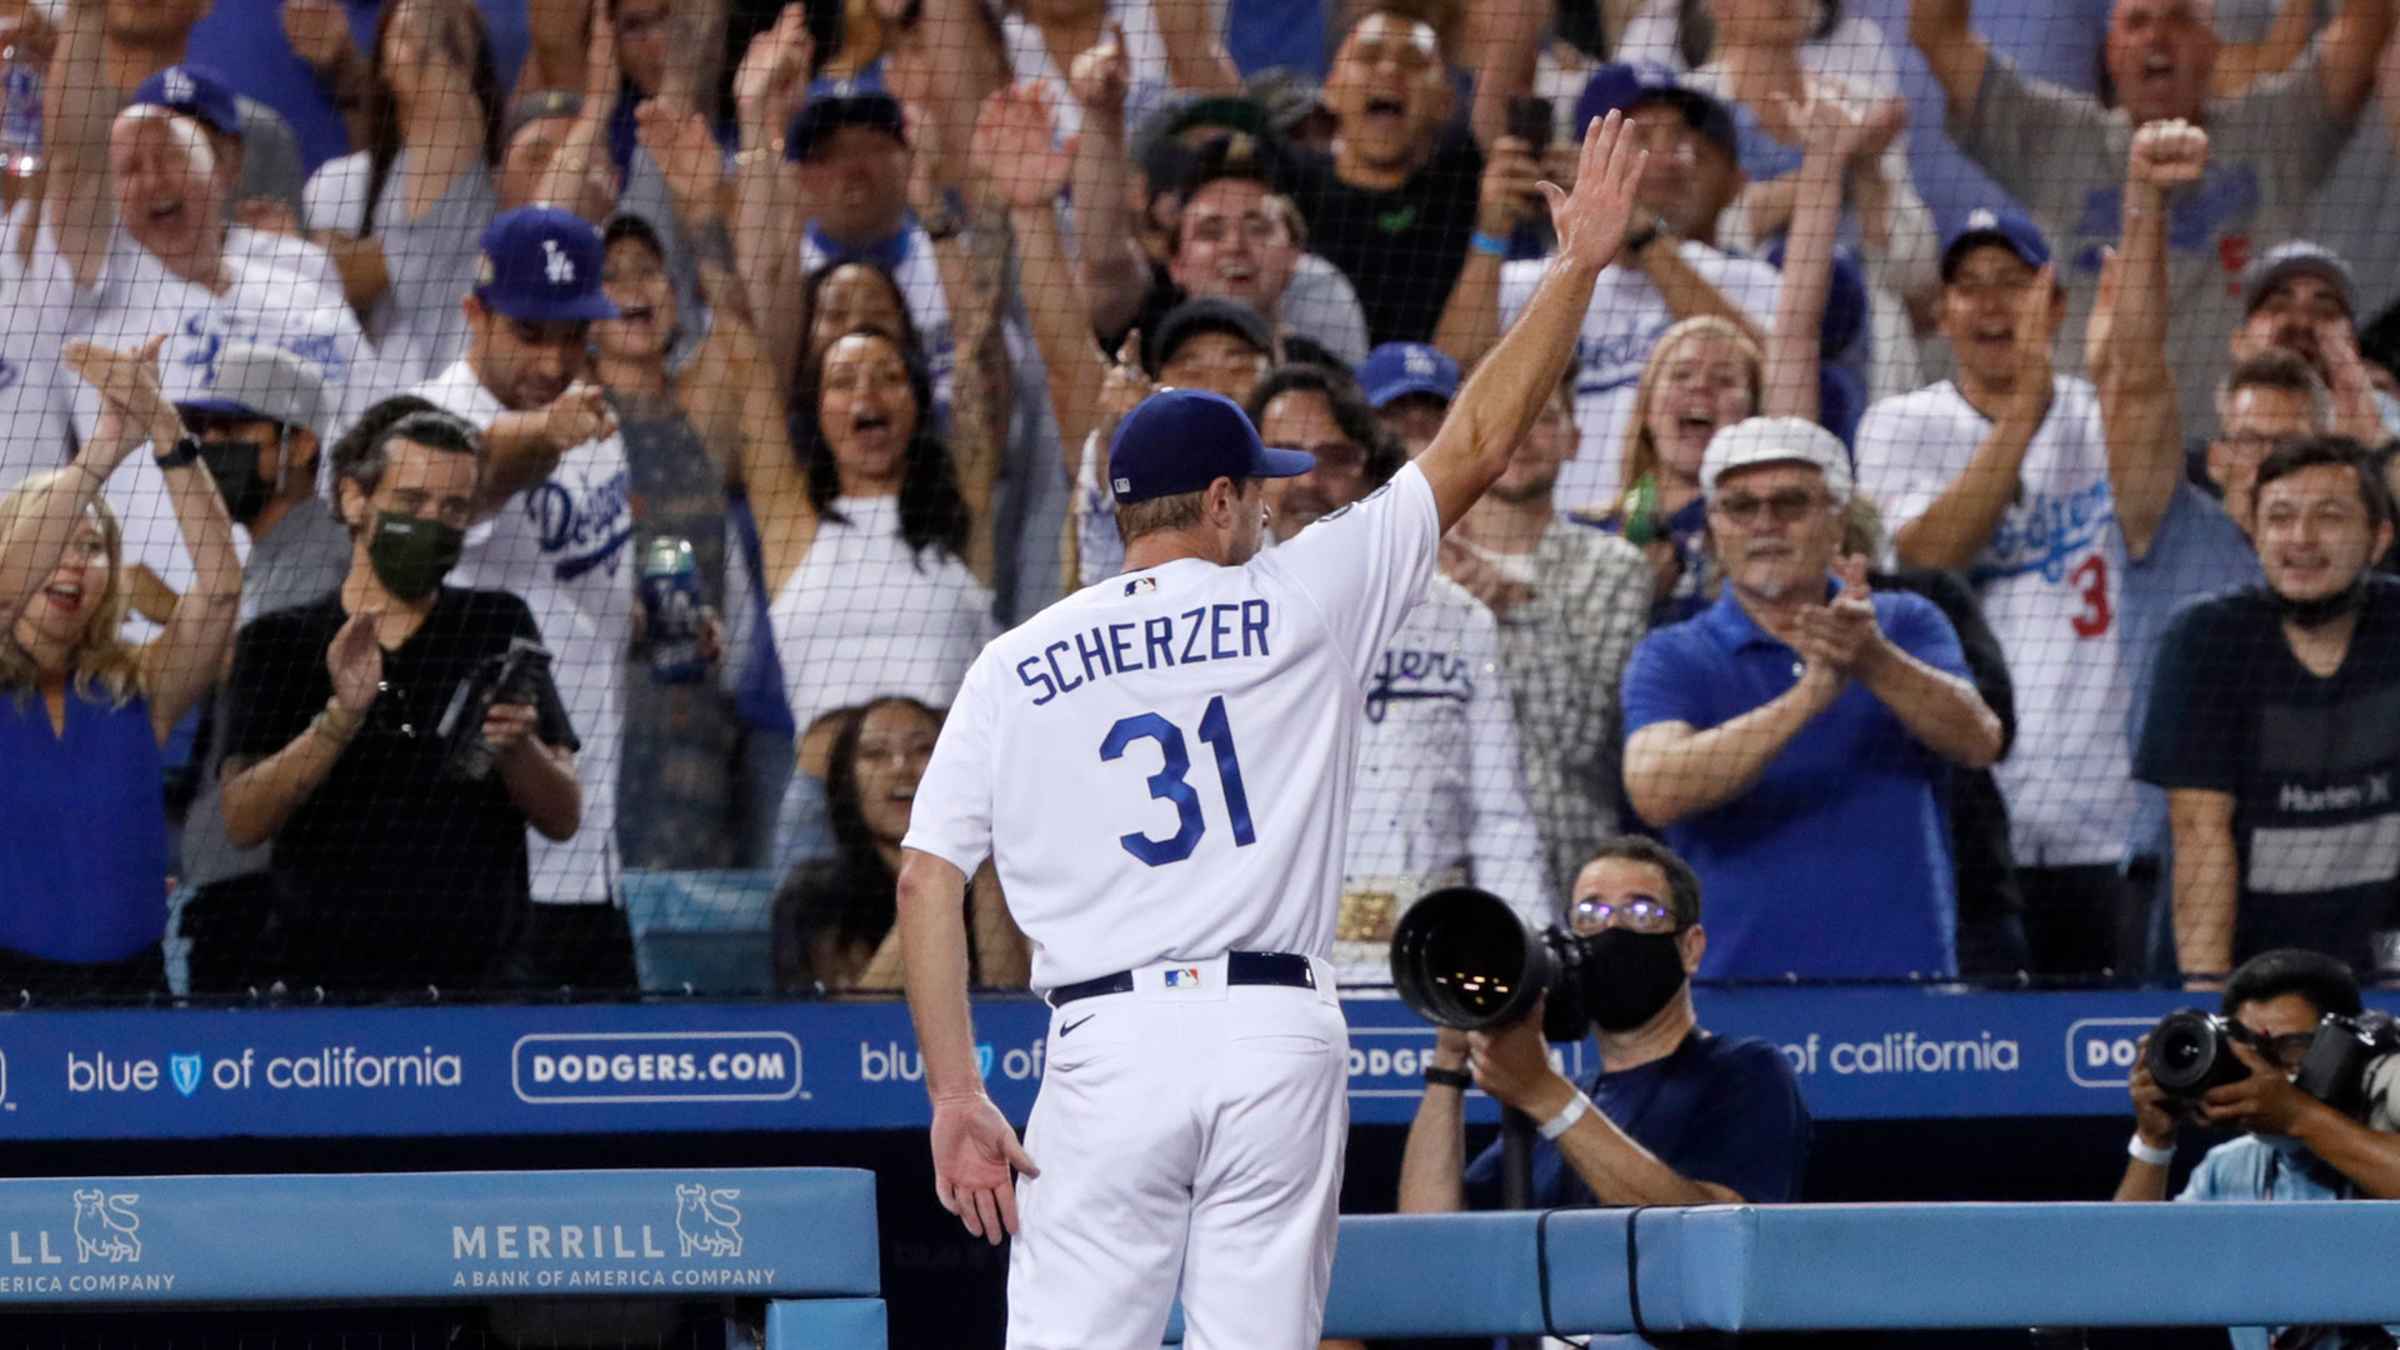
(254, 380)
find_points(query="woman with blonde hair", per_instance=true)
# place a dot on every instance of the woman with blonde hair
(82, 714)
(1705, 374)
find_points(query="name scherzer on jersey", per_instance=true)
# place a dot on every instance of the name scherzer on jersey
(1162, 763)
(2049, 580)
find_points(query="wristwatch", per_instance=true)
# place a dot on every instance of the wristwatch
(1450, 1078)
(183, 452)
(1643, 235)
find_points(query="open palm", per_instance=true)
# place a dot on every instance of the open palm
(1016, 158)
(1590, 221)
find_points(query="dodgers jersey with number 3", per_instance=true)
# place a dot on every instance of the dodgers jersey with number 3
(2049, 579)
(1161, 764)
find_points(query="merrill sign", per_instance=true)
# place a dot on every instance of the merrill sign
(103, 1230)
(613, 1255)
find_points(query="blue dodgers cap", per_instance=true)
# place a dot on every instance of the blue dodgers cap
(2008, 229)
(1396, 370)
(1626, 85)
(196, 92)
(542, 265)
(833, 104)
(1182, 440)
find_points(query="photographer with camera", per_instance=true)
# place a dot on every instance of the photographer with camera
(2288, 1061)
(352, 738)
(1671, 1116)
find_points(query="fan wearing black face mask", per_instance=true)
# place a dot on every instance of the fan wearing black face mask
(256, 421)
(2269, 727)
(1672, 1115)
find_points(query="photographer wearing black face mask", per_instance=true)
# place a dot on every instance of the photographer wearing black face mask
(1672, 1115)
(2293, 1146)
(2266, 731)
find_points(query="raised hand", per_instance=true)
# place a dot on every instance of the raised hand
(126, 380)
(603, 78)
(1102, 75)
(2032, 344)
(1125, 385)
(355, 661)
(1015, 160)
(1590, 221)
(975, 1156)
(1504, 199)
(679, 140)
(774, 71)
(2167, 155)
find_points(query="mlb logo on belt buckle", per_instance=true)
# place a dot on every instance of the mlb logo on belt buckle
(1184, 977)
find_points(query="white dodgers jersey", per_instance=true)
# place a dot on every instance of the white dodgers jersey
(2049, 579)
(1161, 764)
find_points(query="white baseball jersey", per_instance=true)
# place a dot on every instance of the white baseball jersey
(2049, 580)
(1161, 764)
(564, 547)
(1626, 316)
(1441, 789)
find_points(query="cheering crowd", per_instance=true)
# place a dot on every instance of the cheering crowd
(460, 455)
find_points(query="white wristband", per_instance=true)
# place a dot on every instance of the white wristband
(2140, 1151)
(1566, 1117)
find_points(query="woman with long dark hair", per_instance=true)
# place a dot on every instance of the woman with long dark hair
(866, 533)
(402, 216)
(834, 918)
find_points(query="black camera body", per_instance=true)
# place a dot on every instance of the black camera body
(1462, 958)
(2345, 1051)
(519, 675)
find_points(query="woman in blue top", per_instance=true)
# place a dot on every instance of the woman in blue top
(83, 830)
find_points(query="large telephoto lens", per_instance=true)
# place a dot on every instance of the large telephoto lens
(1462, 958)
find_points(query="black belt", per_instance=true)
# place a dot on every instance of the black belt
(1240, 968)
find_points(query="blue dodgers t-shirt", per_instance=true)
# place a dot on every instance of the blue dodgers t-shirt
(1836, 863)
(1727, 1112)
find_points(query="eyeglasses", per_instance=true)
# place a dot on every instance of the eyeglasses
(2255, 444)
(1789, 507)
(1640, 913)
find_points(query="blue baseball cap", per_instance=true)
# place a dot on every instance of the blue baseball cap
(542, 265)
(1182, 440)
(1396, 370)
(2009, 230)
(1627, 85)
(196, 92)
(834, 104)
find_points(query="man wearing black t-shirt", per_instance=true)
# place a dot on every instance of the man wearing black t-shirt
(391, 868)
(2274, 726)
(1394, 205)
(1672, 1116)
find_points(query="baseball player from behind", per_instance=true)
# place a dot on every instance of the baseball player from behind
(1181, 897)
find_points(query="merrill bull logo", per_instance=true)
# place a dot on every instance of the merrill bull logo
(706, 1221)
(106, 1227)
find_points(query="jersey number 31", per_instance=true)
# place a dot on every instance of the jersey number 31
(1169, 783)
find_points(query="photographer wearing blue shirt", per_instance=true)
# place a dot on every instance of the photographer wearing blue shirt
(2294, 1146)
